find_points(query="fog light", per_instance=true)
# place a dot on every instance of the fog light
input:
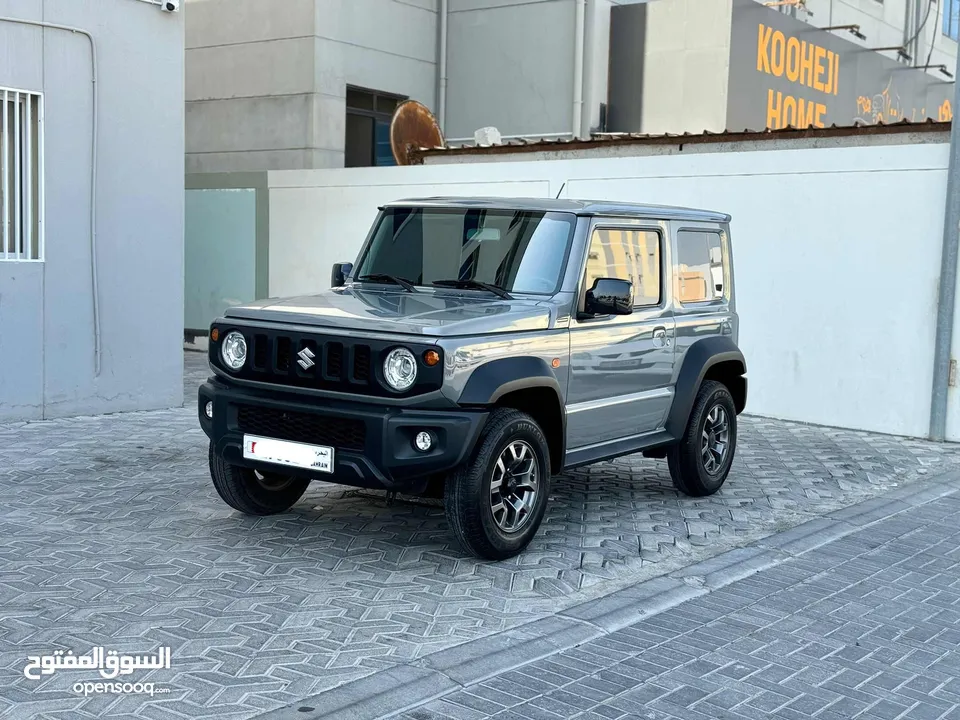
(208, 409)
(423, 441)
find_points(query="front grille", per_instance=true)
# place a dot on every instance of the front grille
(324, 360)
(302, 427)
(317, 361)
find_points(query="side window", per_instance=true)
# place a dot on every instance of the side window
(699, 266)
(632, 255)
(646, 254)
(608, 257)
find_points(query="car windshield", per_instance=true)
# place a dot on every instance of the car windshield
(513, 250)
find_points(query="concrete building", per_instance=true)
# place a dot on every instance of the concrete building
(313, 85)
(91, 226)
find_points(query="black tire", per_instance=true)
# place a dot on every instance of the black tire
(688, 468)
(252, 492)
(468, 493)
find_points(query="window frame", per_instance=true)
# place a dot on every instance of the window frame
(626, 227)
(387, 210)
(28, 232)
(374, 114)
(951, 17)
(724, 265)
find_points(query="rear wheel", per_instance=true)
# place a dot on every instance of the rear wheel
(496, 501)
(254, 492)
(700, 462)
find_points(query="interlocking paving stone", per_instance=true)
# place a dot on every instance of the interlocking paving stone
(770, 668)
(111, 535)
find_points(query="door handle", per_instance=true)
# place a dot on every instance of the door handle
(660, 338)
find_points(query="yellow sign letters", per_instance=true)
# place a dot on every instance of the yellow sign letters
(802, 63)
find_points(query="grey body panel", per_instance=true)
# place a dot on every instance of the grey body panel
(622, 369)
(623, 386)
(385, 309)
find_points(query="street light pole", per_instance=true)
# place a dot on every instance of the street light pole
(948, 277)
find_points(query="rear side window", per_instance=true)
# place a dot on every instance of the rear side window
(700, 264)
(627, 254)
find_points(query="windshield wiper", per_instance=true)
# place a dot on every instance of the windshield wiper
(474, 285)
(384, 277)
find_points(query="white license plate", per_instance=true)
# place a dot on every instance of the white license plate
(283, 452)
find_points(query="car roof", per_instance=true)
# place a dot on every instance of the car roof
(578, 207)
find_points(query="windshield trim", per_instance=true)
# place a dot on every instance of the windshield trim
(389, 209)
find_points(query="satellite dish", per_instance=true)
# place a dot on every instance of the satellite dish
(413, 126)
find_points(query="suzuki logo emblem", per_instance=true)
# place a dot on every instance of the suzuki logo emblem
(306, 358)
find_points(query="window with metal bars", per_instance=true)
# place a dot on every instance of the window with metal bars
(21, 177)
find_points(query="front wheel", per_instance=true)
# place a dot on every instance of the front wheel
(495, 502)
(253, 492)
(700, 462)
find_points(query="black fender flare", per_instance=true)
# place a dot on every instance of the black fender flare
(700, 357)
(493, 380)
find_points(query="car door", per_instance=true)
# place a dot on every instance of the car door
(621, 366)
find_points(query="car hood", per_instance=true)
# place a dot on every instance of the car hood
(439, 314)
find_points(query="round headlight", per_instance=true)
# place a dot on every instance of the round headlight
(233, 351)
(400, 369)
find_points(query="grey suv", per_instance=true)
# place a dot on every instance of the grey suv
(479, 346)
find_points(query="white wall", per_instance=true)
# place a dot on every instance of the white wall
(46, 309)
(836, 251)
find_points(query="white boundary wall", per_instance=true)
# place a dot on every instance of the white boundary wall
(837, 254)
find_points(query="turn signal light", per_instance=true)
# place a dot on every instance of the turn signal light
(431, 357)
(215, 334)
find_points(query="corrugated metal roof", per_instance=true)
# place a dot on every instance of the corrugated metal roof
(612, 139)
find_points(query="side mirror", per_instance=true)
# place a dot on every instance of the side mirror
(339, 275)
(609, 296)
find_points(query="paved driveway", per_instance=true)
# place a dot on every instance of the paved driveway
(111, 535)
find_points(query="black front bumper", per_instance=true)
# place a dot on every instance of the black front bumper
(373, 444)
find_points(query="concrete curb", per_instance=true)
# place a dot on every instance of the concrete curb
(390, 692)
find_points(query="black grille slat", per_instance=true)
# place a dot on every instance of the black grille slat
(283, 354)
(334, 363)
(343, 433)
(361, 363)
(261, 352)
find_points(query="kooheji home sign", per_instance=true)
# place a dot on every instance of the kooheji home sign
(786, 72)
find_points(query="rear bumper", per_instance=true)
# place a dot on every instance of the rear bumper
(373, 445)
